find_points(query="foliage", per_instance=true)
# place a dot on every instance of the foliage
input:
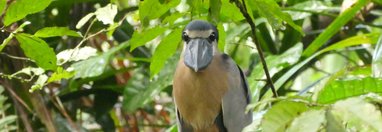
(68, 65)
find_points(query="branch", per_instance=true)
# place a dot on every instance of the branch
(243, 10)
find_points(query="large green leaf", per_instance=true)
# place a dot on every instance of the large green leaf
(165, 50)
(18, 9)
(142, 38)
(3, 3)
(309, 121)
(377, 59)
(278, 118)
(334, 27)
(359, 115)
(342, 89)
(270, 9)
(56, 31)
(38, 50)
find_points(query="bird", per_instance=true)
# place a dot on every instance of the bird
(210, 90)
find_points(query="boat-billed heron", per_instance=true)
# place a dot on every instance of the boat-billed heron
(210, 91)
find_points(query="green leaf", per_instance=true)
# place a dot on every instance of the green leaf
(151, 9)
(214, 11)
(278, 118)
(222, 37)
(106, 14)
(270, 9)
(56, 31)
(139, 39)
(377, 59)
(18, 9)
(230, 12)
(342, 89)
(165, 50)
(84, 20)
(38, 50)
(91, 67)
(334, 27)
(358, 114)
(60, 74)
(309, 121)
(3, 3)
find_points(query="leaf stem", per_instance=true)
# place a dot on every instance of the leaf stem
(243, 10)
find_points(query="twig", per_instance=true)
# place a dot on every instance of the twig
(16, 57)
(243, 10)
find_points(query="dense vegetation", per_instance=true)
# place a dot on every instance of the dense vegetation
(84, 65)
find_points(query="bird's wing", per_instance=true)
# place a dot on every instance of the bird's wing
(236, 99)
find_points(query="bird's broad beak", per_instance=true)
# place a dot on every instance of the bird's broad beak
(198, 54)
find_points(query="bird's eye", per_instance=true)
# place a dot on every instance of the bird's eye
(212, 37)
(185, 37)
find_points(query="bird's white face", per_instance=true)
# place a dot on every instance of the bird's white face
(200, 47)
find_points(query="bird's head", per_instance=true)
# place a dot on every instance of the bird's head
(200, 39)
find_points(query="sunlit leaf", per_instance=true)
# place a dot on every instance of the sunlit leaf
(334, 27)
(60, 74)
(76, 54)
(278, 118)
(56, 31)
(309, 121)
(165, 50)
(91, 67)
(84, 20)
(142, 38)
(342, 89)
(106, 14)
(359, 114)
(38, 50)
(18, 9)
(270, 9)
(377, 59)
